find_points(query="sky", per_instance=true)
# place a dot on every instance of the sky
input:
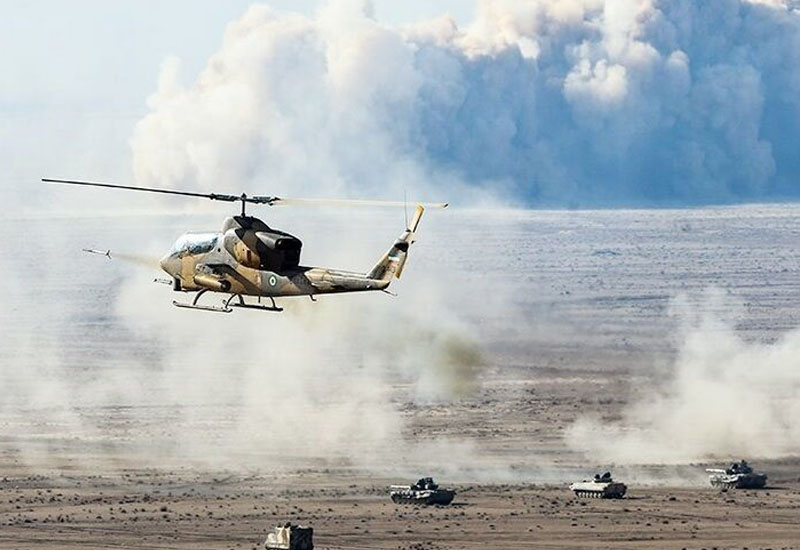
(104, 57)
(75, 78)
(542, 103)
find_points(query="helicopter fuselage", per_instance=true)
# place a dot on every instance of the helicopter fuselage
(219, 272)
(248, 258)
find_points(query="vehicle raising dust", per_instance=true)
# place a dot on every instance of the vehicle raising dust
(600, 487)
(424, 491)
(738, 476)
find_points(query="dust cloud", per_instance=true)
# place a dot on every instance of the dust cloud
(315, 382)
(723, 396)
(546, 102)
(320, 383)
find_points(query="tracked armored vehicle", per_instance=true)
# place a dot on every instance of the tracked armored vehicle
(424, 491)
(290, 537)
(599, 487)
(738, 476)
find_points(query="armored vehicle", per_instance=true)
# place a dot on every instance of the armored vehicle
(290, 537)
(599, 487)
(738, 476)
(424, 491)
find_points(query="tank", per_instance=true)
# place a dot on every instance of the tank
(738, 475)
(424, 491)
(290, 537)
(599, 487)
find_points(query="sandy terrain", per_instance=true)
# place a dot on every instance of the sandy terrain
(176, 509)
(190, 507)
(145, 510)
(112, 436)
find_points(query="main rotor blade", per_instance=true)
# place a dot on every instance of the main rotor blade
(212, 196)
(258, 199)
(281, 201)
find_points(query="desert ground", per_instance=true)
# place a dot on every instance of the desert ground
(189, 507)
(581, 326)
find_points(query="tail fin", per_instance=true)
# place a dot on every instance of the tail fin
(393, 262)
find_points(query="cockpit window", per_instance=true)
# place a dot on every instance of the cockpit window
(195, 243)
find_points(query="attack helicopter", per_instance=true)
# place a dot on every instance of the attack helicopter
(247, 258)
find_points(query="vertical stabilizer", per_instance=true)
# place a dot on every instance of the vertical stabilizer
(393, 262)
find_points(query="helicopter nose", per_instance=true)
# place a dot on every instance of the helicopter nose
(171, 264)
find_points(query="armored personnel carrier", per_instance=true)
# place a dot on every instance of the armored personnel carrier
(738, 476)
(599, 487)
(290, 537)
(424, 491)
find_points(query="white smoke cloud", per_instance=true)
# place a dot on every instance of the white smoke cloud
(315, 382)
(323, 382)
(722, 397)
(549, 102)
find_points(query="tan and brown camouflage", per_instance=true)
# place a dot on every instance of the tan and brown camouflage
(248, 258)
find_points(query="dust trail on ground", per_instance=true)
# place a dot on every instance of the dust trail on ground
(721, 397)
(314, 385)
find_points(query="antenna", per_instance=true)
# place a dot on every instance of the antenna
(405, 206)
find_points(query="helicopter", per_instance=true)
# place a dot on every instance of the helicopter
(247, 258)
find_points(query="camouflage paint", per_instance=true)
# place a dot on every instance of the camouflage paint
(229, 266)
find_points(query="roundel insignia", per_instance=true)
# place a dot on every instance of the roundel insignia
(273, 280)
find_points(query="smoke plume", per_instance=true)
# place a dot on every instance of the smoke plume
(583, 102)
(722, 397)
(317, 382)
(104, 369)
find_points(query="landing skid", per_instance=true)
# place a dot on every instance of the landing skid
(228, 304)
(202, 308)
(195, 305)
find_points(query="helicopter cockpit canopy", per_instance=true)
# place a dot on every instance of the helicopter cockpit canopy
(194, 243)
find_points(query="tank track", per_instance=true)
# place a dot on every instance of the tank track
(397, 499)
(596, 494)
(442, 498)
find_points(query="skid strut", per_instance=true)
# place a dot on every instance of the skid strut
(242, 304)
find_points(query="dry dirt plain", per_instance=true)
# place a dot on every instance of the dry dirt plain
(185, 507)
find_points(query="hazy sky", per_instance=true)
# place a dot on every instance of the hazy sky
(104, 56)
(575, 103)
(75, 76)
